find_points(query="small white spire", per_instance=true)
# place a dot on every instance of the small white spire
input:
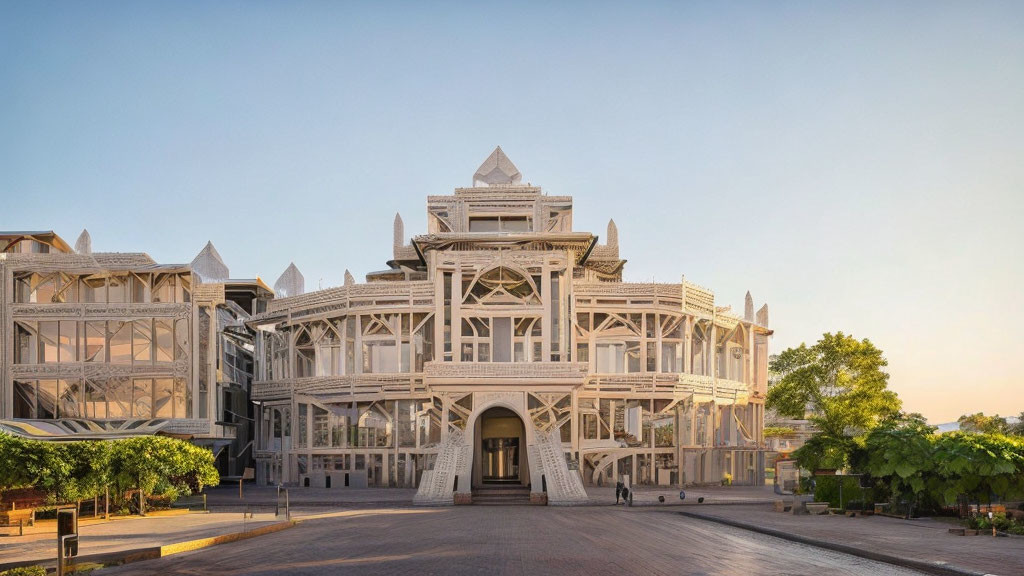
(349, 280)
(84, 243)
(748, 308)
(399, 239)
(762, 316)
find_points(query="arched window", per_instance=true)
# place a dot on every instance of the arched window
(502, 285)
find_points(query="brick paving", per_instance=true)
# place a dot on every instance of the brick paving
(923, 539)
(591, 541)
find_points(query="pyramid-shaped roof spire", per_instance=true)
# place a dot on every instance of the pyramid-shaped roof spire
(209, 265)
(290, 283)
(497, 170)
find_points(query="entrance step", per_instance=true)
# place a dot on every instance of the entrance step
(507, 495)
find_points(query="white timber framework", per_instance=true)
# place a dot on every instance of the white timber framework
(502, 347)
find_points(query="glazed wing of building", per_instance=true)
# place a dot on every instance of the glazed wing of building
(502, 346)
(107, 345)
(98, 337)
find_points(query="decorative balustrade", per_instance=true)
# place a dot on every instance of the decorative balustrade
(342, 294)
(525, 373)
(705, 388)
(94, 311)
(505, 373)
(352, 384)
(674, 291)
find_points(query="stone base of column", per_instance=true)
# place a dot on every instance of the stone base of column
(538, 498)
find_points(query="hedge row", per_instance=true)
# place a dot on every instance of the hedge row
(69, 471)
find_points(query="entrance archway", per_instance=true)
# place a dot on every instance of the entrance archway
(499, 451)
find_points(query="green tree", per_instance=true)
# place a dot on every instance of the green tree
(69, 471)
(899, 453)
(840, 386)
(157, 464)
(982, 424)
(978, 465)
(1017, 429)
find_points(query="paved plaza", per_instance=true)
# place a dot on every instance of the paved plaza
(127, 533)
(922, 539)
(264, 498)
(377, 531)
(510, 540)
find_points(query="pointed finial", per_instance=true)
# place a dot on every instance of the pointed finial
(762, 316)
(209, 265)
(748, 308)
(497, 169)
(84, 243)
(349, 280)
(290, 283)
(399, 231)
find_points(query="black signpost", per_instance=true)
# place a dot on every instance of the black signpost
(67, 536)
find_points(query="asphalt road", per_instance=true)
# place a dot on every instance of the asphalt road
(511, 540)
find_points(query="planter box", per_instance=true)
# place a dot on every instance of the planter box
(817, 508)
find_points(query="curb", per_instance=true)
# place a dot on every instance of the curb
(927, 567)
(153, 552)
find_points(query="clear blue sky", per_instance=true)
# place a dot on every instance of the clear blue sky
(860, 166)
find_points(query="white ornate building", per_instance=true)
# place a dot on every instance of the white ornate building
(503, 348)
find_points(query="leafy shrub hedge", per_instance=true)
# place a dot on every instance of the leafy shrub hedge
(909, 463)
(1004, 522)
(25, 571)
(826, 489)
(69, 471)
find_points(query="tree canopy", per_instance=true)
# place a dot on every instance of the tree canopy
(68, 471)
(983, 424)
(915, 464)
(840, 386)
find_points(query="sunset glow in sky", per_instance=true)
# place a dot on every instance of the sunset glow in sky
(860, 167)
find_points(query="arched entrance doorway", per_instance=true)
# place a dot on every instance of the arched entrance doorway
(500, 449)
